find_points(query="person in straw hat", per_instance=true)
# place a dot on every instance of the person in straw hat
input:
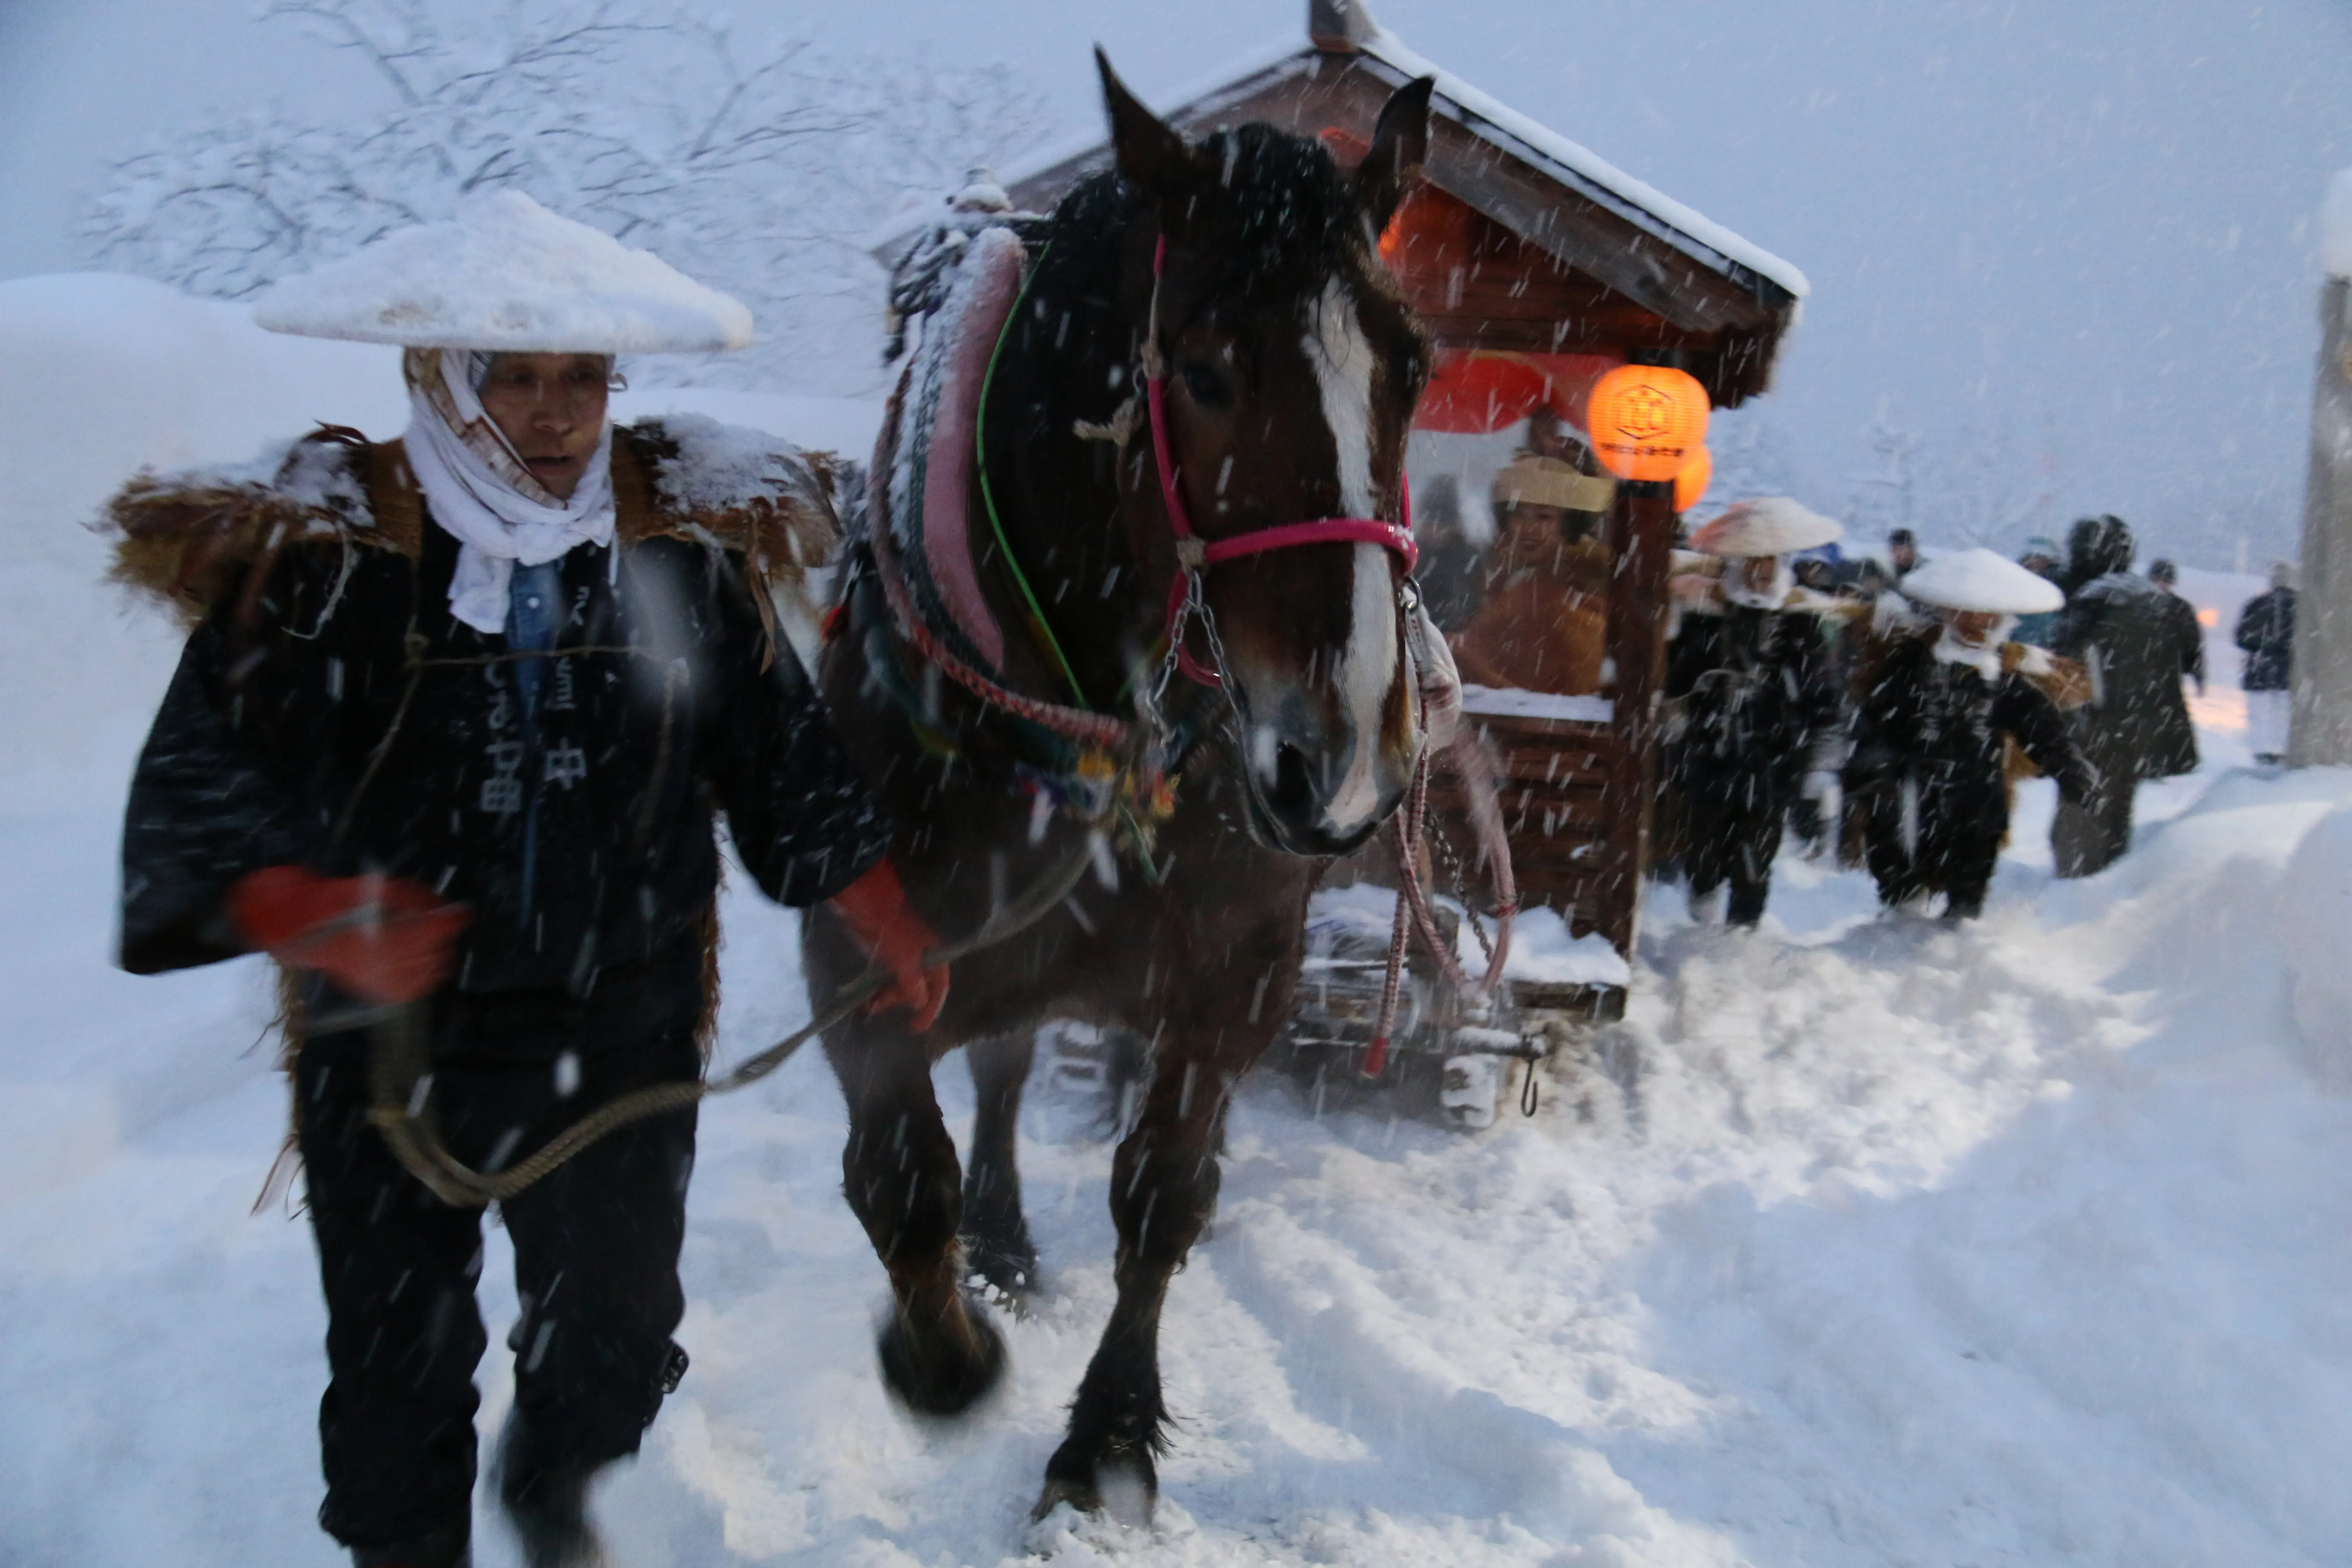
(1930, 733)
(1757, 690)
(446, 741)
(1543, 623)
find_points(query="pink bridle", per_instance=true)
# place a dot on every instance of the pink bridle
(1195, 554)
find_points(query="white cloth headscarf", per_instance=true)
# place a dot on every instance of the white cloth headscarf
(481, 492)
(1736, 588)
(1984, 657)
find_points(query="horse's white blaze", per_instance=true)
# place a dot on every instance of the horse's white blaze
(1367, 671)
(1343, 361)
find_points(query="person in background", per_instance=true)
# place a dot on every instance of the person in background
(2135, 725)
(2182, 615)
(1902, 553)
(1927, 765)
(2265, 635)
(2084, 548)
(448, 742)
(1542, 623)
(2040, 557)
(1755, 688)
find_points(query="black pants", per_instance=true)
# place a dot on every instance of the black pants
(1734, 841)
(2087, 839)
(596, 1245)
(1941, 841)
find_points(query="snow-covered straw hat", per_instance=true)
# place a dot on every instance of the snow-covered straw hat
(1982, 581)
(1769, 525)
(507, 275)
(1533, 479)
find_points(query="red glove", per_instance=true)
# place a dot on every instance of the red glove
(382, 939)
(874, 909)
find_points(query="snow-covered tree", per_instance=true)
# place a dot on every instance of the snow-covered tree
(1751, 456)
(757, 164)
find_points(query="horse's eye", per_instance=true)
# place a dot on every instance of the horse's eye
(1207, 385)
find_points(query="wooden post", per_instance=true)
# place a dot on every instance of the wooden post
(2322, 724)
(1644, 523)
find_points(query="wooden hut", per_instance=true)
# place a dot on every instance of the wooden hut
(1535, 266)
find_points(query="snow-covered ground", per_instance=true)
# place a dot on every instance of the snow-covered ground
(2023, 1242)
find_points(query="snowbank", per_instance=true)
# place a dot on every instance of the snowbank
(2314, 914)
(101, 376)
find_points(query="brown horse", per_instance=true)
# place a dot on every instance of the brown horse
(1244, 267)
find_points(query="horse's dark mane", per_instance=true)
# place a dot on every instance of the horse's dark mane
(1298, 219)
(1284, 216)
(1281, 218)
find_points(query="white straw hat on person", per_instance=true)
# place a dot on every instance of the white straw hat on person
(507, 275)
(1982, 581)
(1768, 525)
(1534, 480)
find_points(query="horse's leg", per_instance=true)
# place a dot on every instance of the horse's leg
(995, 1234)
(939, 1354)
(1163, 1192)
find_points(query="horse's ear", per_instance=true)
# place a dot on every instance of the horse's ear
(1152, 156)
(1400, 144)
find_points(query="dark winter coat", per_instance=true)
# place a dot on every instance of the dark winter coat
(1760, 705)
(2123, 631)
(330, 711)
(1927, 754)
(2188, 635)
(2266, 632)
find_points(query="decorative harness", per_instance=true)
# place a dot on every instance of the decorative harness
(1144, 751)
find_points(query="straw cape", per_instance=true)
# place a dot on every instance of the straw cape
(1982, 581)
(506, 274)
(1768, 525)
(191, 538)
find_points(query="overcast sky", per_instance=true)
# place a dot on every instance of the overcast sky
(2067, 239)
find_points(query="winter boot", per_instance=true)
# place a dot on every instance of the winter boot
(442, 1548)
(547, 1504)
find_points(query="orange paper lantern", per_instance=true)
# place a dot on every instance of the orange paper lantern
(1647, 420)
(1690, 484)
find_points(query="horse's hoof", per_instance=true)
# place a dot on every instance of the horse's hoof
(946, 1372)
(1124, 1488)
(1009, 1263)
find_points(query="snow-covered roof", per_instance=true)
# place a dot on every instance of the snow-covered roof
(507, 274)
(1572, 164)
(1566, 162)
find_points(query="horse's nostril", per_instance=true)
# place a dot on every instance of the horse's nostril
(1293, 794)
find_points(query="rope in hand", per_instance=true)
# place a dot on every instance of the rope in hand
(1414, 911)
(400, 1066)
